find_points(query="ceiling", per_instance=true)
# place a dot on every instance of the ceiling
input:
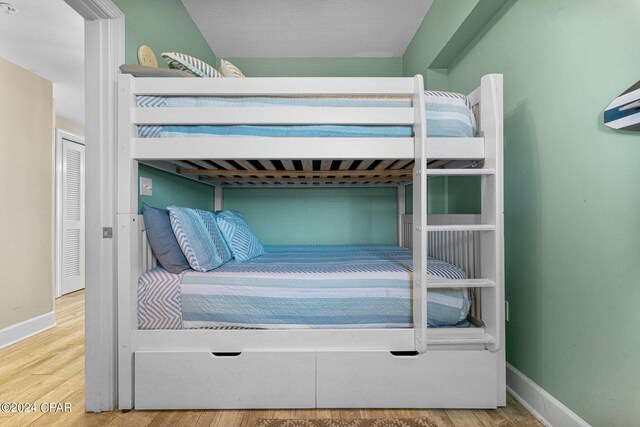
(47, 38)
(308, 28)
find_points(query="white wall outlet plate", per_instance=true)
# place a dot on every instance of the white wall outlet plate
(146, 186)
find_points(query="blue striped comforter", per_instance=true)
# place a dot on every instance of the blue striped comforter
(447, 115)
(352, 286)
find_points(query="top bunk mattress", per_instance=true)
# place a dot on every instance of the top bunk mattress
(447, 115)
(301, 287)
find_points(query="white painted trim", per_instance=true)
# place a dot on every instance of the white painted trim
(549, 410)
(104, 53)
(92, 10)
(25, 329)
(78, 139)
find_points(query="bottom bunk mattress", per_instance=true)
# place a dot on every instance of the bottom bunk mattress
(301, 286)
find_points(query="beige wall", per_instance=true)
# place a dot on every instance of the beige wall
(26, 194)
(69, 126)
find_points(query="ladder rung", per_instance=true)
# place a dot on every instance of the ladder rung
(457, 172)
(472, 227)
(460, 283)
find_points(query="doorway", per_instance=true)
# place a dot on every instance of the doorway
(70, 213)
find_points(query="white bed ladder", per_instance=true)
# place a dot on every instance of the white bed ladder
(492, 242)
(490, 230)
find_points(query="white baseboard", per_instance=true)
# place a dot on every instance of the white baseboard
(549, 410)
(15, 333)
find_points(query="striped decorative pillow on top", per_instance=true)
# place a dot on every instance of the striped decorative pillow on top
(193, 65)
(199, 238)
(242, 241)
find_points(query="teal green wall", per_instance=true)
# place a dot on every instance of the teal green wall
(319, 67)
(170, 189)
(357, 215)
(438, 26)
(318, 215)
(572, 204)
(450, 195)
(444, 33)
(466, 198)
(163, 25)
(436, 196)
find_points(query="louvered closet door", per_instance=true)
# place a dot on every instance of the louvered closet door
(72, 216)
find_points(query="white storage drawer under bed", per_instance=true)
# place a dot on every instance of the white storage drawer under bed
(308, 379)
(379, 379)
(200, 380)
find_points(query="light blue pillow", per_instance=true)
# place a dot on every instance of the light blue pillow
(244, 244)
(199, 238)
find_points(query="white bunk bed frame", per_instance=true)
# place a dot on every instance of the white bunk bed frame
(415, 367)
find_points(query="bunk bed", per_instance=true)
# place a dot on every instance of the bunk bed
(414, 366)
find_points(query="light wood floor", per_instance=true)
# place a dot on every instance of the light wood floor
(50, 368)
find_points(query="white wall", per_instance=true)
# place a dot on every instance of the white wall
(26, 194)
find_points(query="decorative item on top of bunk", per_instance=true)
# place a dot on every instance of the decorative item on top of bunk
(624, 112)
(227, 69)
(190, 64)
(147, 57)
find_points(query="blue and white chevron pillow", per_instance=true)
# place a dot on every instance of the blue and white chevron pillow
(199, 238)
(195, 66)
(242, 241)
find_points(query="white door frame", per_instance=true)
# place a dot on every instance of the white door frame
(60, 136)
(104, 53)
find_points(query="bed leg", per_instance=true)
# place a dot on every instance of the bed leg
(401, 210)
(218, 198)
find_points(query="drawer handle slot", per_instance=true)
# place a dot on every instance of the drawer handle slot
(226, 354)
(404, 353)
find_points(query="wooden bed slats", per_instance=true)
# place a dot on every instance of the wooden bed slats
(370, 172)
(297, 173)
(364, 168)
(228, 173)
(209, 160)
(394, 179)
